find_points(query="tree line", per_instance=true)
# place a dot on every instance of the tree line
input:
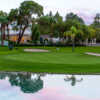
(30, 14)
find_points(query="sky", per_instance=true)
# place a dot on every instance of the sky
(84, 8)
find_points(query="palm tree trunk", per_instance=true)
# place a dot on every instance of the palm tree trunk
(7, 31)
(21, 35)
(73, 45)
(2, 42)
(4, 32)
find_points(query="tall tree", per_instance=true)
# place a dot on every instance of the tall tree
(74, 32)
(35, 33)
(96, 26)
(46, 22)
(4, 23)
(13, 20)
(72, 16)
(97, 30)
(96, 22)
(50, 14)
(92, 33)
(58, 18)
(24, 15)
(26, 11)
(59, 26)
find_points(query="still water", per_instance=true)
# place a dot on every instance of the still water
(31, 86)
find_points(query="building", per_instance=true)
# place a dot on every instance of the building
(25, 38)
(14, 34)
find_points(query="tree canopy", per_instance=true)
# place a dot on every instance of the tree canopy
(30, 15)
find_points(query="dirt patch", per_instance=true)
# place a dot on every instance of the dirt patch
(93, 54)
(35, 50)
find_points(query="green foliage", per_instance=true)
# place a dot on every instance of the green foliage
(97, 34)
(96, 22)
(92, 33)
(50, 14)
(30, 7)
(75, 23)
(58, 18)
(70, 23)
(47, 23)
(3, 17)
(3, 20)
(72, 16)
(3, 23)
(13, 15)
(59, 26)
(35, 33)
(23, 16)
(31, 12)
(59, 29)
(53, 25)
(79, 35)
(74, 30)
(3, 14)
(96, 26)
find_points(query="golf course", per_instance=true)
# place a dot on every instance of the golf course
(56, 60)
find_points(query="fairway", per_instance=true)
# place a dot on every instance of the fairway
(61, 60)
(54, 58)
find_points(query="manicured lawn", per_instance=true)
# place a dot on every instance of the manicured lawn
(55, 61)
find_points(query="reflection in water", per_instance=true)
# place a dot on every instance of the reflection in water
(30, 86)
(73, 80)
(24, 80)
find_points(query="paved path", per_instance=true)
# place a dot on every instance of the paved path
(93, 54)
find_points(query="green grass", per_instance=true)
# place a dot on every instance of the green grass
(62, 61)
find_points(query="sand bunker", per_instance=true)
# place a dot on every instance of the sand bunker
(35, 50)
(93, 54)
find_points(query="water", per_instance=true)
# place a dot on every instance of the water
(31, 86)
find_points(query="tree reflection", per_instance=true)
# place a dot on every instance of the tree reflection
(73, 80)
(25, 81)
(2, 75)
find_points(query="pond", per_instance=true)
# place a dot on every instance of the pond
(31, 86)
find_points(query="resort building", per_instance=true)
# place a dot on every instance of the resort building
(14, 34)
(25, 38)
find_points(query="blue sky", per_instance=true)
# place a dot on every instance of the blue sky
(84, 8)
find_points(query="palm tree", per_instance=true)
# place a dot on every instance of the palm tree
(52, 22)
(4, 23)
(97, 20)
(92, 33)
(25, 16)
(35, 33)
(72, 33)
